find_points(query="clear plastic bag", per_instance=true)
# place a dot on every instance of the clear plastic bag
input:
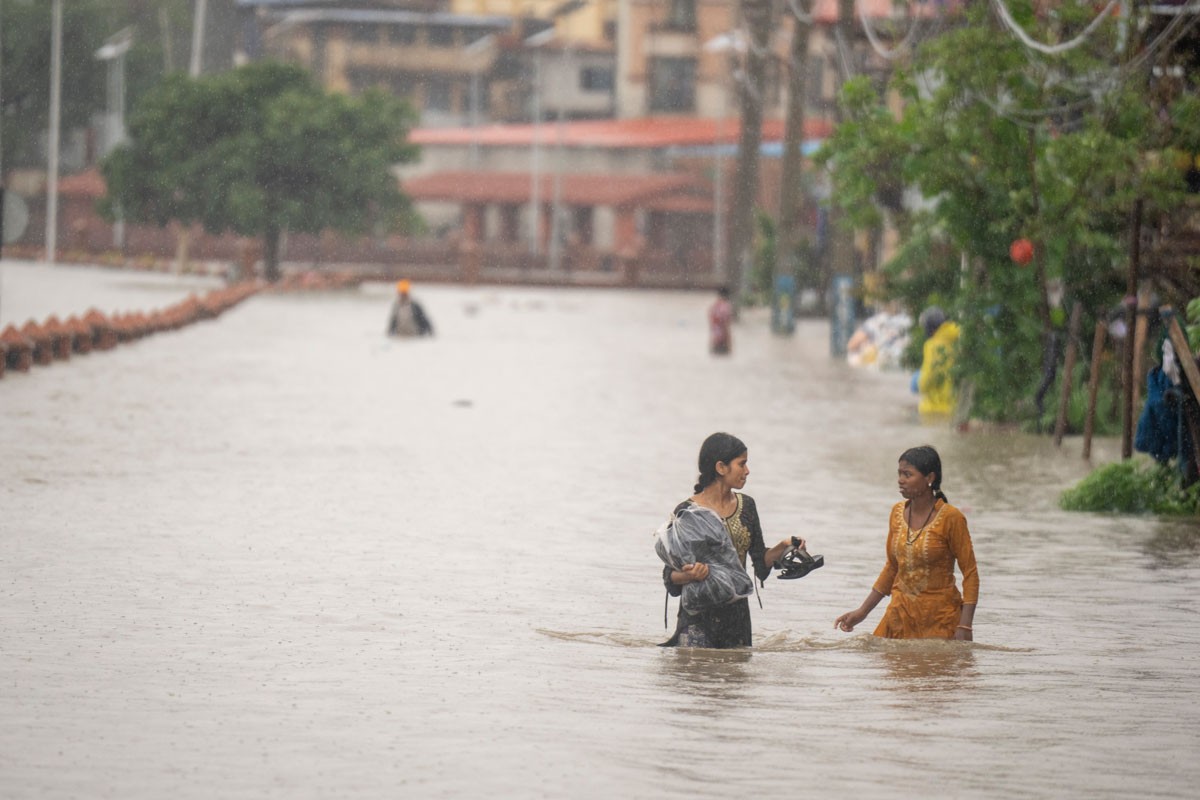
(695, 534)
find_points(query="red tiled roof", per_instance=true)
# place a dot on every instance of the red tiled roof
(645, 132)
(683, 204)
(825, 12)
(651, 191)
(88, 183)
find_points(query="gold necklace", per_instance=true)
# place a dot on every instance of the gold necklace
(909, 536)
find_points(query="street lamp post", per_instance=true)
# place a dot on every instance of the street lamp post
(474, 119)
(198, 23)
(536, 42)
(556, 234)
(726, 43)
(472, 50)
(113, 54)
(2, 184)
(535, 168)
(55, 122)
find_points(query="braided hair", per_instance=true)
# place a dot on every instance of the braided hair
(718, 448)
(926, 460)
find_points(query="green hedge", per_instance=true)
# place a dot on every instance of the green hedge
(1133, 487)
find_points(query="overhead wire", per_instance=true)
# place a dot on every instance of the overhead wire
(1006, 17)
(873, 37)
(798, 12)
(1091, 90)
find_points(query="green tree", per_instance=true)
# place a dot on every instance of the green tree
(1004, 142)
(25, 65)
(261, 150)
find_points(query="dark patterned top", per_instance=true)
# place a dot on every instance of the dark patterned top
(730, 626)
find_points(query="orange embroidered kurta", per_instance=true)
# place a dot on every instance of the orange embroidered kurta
(919, 575)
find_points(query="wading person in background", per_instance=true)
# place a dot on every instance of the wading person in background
(407, 318)
(720, 324)
(926, 536)
(704, 547)
(935, 382)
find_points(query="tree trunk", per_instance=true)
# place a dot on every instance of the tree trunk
(791, 196)
(840, 243)
(271, 254)
(758, 19)
(1039, 262)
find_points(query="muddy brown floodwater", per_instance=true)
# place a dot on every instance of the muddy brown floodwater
(279, 555)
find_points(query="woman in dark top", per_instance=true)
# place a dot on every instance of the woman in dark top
(723, 473)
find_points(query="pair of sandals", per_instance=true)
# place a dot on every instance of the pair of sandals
(796, 562)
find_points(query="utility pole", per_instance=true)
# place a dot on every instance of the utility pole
(195, 68)
(198, 22)
(538, 41)
(842, 278)
(758, 16)
(535, 156)
(730, 46)
(2, 182)
(478, 59)
(55, 122)
(556, 226)
(790, 192)
(113, 55)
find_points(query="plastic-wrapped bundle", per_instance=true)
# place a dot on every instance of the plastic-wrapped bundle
(695, 534)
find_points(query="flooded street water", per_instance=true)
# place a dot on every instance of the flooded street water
(278, 555)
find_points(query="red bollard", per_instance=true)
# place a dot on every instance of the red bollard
(60, 337)
(189, 310)
(104, 335)
(172, 317)
(128, 327)
(43, 343)
(81, 334)
(140, 323)
(19, 347)
(212, 305)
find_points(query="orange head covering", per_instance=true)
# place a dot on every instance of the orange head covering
(402, 286)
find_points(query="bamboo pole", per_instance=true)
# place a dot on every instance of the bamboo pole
(1135, 241)
(1064, 400)
(1089, 422)
(1188, 362)
(1182, 351)
(1141, 328)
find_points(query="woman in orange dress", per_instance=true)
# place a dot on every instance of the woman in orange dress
(926, 536)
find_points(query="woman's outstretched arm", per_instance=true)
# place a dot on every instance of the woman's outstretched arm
(847, 621)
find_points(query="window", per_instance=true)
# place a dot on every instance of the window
(681, 16)
(596, 79)
(672, 84)
(437, 94)
(403, 34)
(367, 34)
(441, 36)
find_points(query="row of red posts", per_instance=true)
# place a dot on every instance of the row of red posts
(39, 344)
(36, 344)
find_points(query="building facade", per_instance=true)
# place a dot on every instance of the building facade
(458, 63)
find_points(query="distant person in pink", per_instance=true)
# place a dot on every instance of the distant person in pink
(720, 324)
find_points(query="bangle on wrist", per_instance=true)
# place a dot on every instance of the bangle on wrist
(965, 627)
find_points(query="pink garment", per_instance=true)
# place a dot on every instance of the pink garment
(720, 322)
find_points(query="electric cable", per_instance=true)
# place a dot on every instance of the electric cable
(1028, 41)
(872, 37)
